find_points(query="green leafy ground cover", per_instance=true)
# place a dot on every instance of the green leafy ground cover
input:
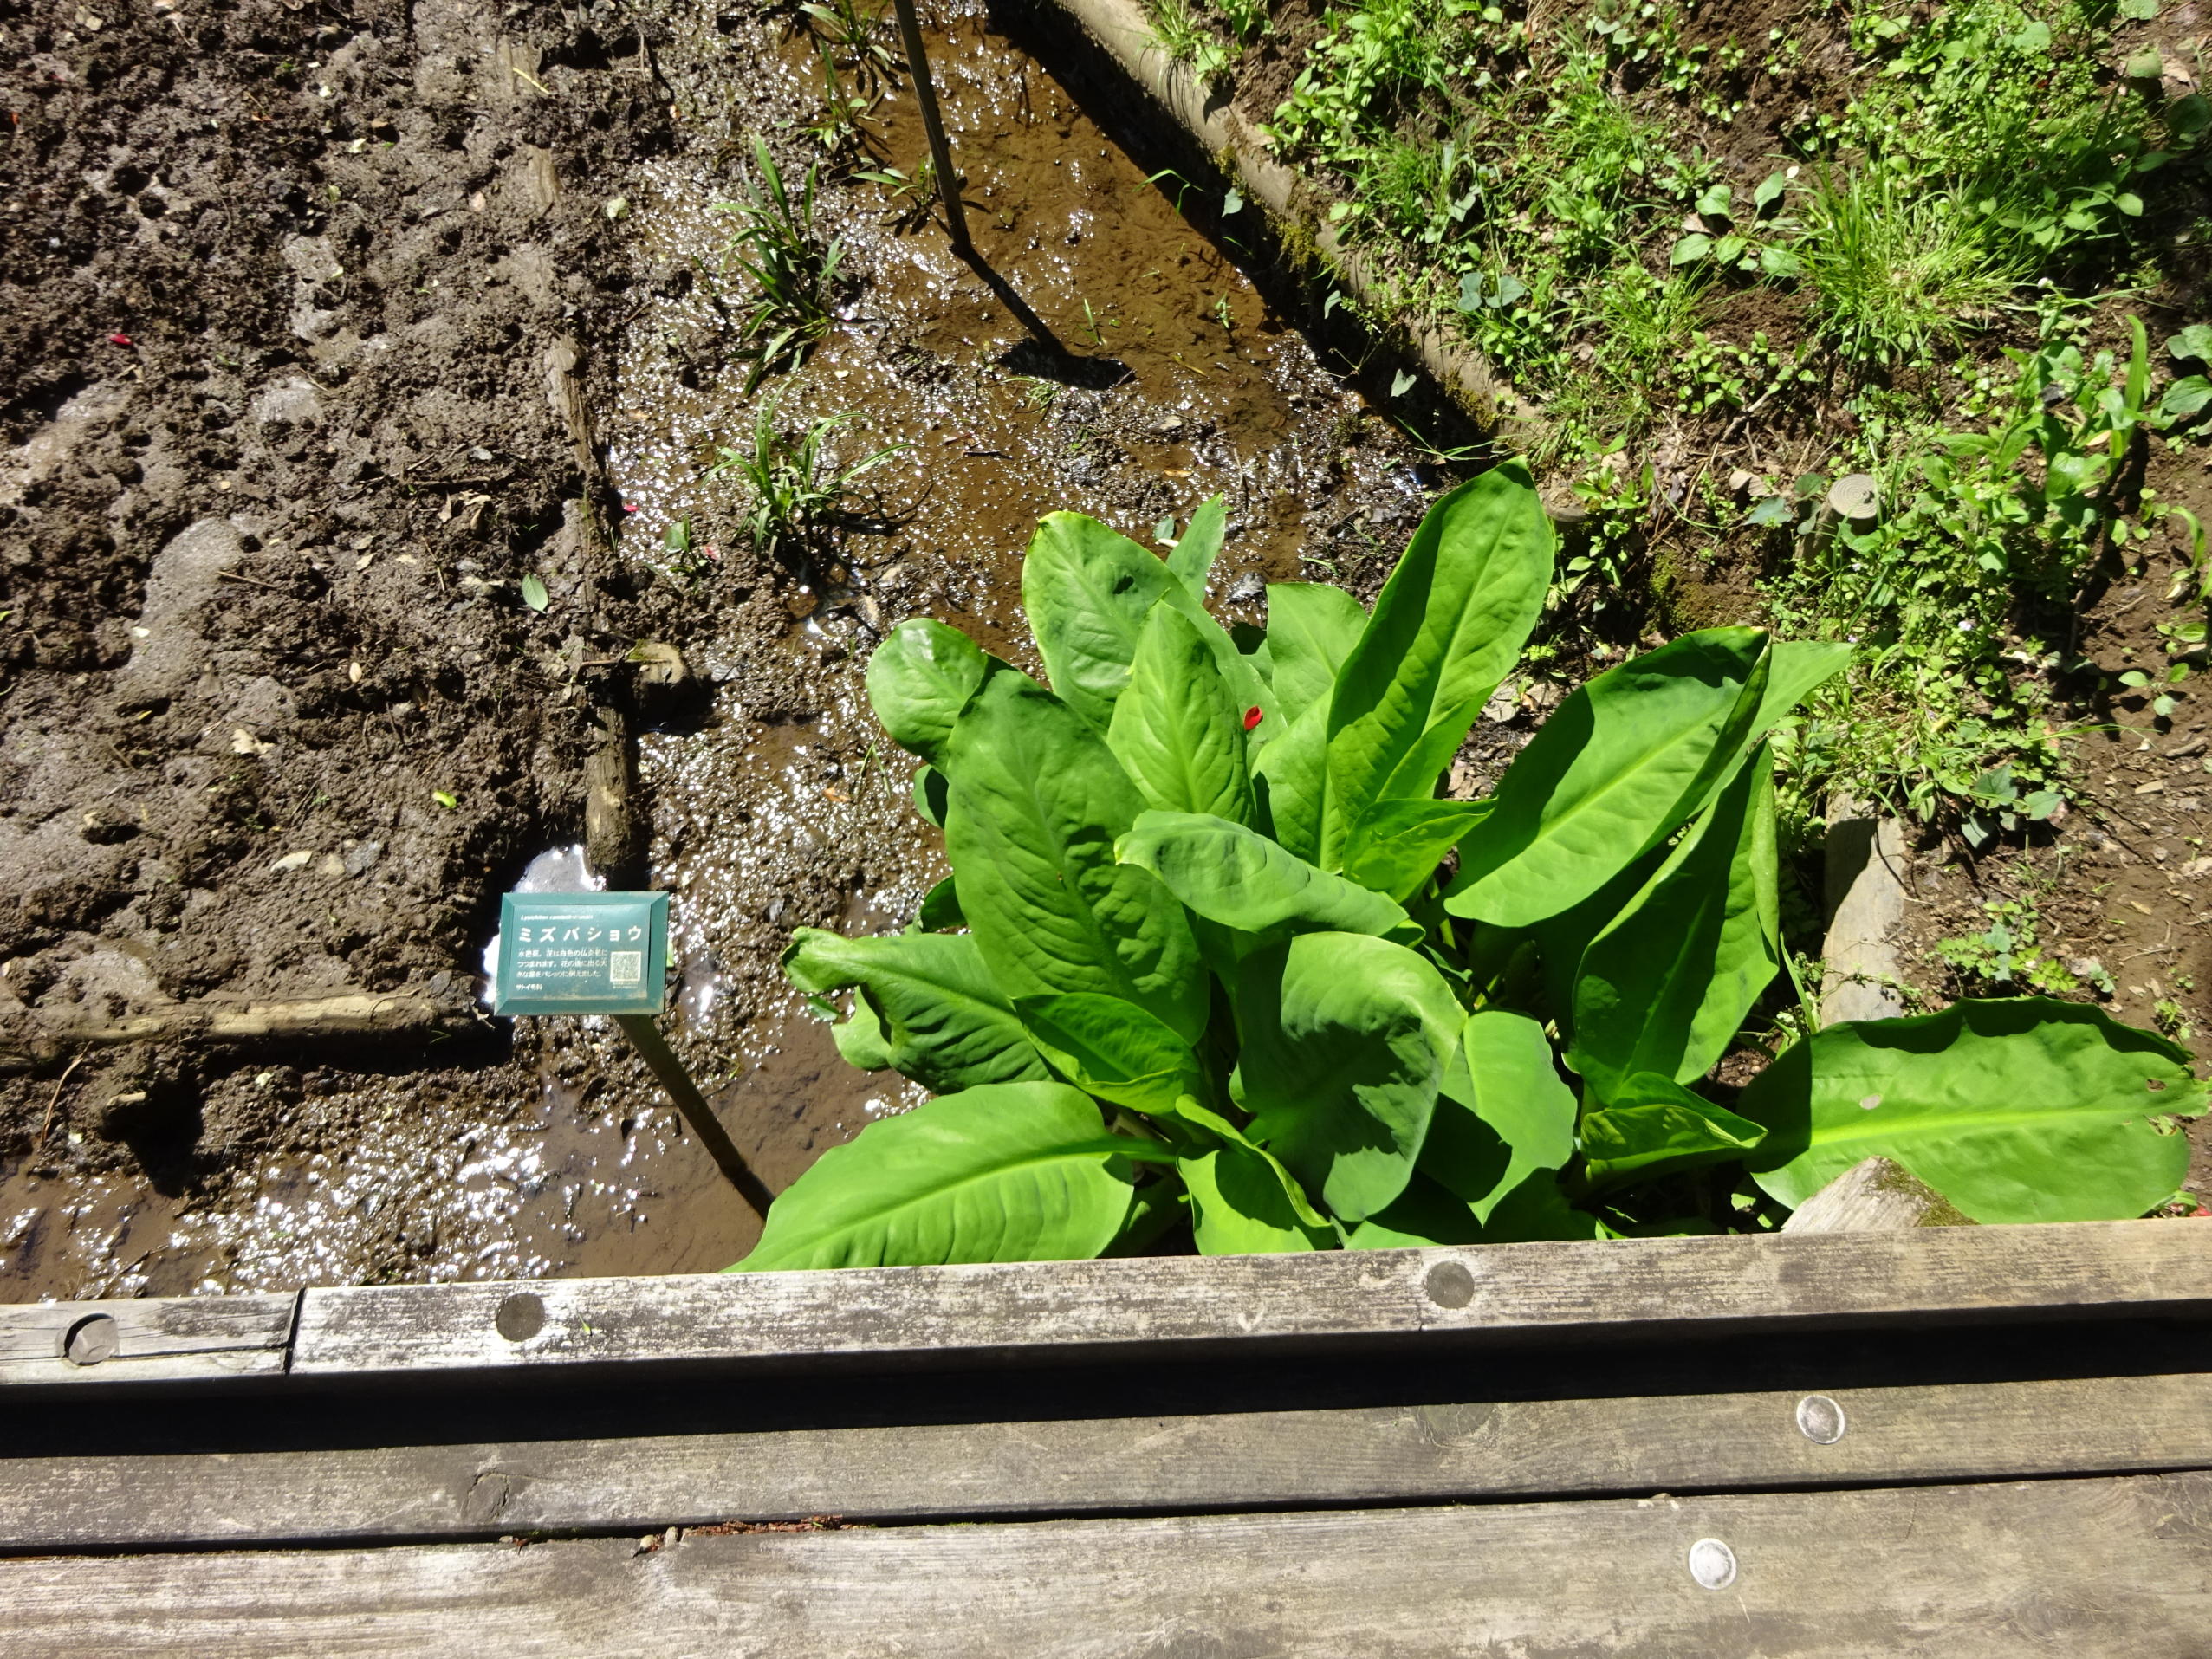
(1726, 256)
(1219, 949)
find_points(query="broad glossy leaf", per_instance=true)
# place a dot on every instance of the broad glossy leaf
(940, 910)
(920, 678)
(1240, 879)
(1503, 1113)
(1087, 590)
(1538, 1210)
(1292, 775)
(1111, 1048)
(2023, 1109)
(1345, 1037)
(1427, 1213)
(1158, 1206)
(2185, 398)
(1619, 766)
(860, 1039)
(1448, 625)
(1192, 559)
(939, 1017)
(1312, 629)
(1245, 1203)
(1560, 940)
(1665, 988)
(1656, 1127)
(1018, 1172)
(1795, 669)
(1397, 843)
(931, 794)
(1037, 801)
(1177, 729)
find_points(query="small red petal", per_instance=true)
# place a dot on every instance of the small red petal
(1253, 717)
(118, 340)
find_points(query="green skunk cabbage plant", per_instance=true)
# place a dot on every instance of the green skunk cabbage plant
(1217, 950)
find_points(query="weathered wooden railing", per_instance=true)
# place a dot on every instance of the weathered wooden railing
(1786, 1445)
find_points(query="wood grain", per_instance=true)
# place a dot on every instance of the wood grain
(1478, 1449)
(2072, 1568)
(166, 1340)
(1078, 1312)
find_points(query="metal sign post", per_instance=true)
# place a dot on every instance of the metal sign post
(947, 186)
(607, 952)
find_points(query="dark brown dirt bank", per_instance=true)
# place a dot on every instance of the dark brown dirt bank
(323, 327)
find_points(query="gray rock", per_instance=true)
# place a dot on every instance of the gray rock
(168, 648)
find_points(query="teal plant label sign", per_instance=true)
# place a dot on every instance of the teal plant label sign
(582, 953)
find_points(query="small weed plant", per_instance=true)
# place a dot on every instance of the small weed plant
(798, 486)
(794, 275)
(1218, 952)
(1962, 592)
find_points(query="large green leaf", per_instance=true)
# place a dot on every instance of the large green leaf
(2023, 1109)
(1345, 1037)
(1111, 1048)
(1427, 1213)
(1447, 628)
(1192, 558)
(1656, 1127)
(1292, 775)
(920, 678)
(1240, 879)
(1177, 729)
(1561, 940)
(1503, 1113)
(862, 1041)
(940, 910)
(1037, 800)
(1795, 667)
(1017, 1172)
(938, 1015)
(1397, 843)
(1087, 590)
(1666, 987)
(1619, 766)
(931, 794)
(1246, 1202)
(1312, 629)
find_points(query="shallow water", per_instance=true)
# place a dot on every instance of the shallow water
(784, 805)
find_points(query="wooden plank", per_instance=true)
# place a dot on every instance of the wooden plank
(161, 1339)
(1152, 1307)
(2120, 1565)
(1514, 1449)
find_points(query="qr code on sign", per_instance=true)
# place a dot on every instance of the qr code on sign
(625, 966)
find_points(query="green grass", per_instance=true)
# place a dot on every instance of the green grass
(1569, 196)
(1899, 271)
(799, 487)
(794, 273)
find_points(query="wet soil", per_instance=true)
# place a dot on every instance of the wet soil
(324, 328)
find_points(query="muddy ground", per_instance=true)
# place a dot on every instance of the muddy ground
(324, 327)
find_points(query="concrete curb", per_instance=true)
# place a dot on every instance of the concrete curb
(1118, 29)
